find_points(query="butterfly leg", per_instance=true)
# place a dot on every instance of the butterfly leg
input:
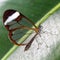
(42, 39)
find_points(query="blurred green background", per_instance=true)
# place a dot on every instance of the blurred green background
(33, 9)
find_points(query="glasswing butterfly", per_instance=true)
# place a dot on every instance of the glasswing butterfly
(17, 25)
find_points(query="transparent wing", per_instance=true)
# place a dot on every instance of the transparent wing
(19, 29)
(17, 24)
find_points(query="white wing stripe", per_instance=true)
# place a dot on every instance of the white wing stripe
(12, 17)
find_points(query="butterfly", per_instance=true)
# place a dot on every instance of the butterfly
(17, 25)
